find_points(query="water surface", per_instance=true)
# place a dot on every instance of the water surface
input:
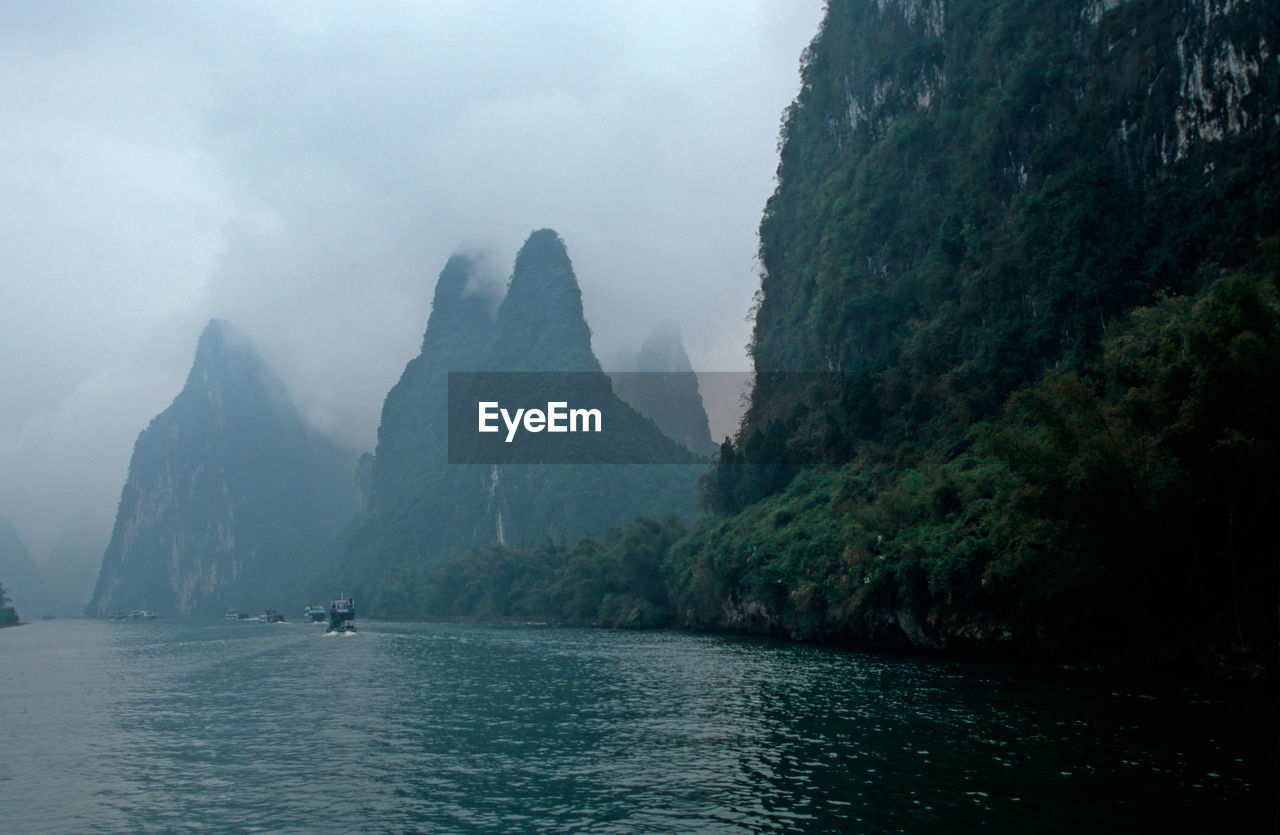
(226, 727)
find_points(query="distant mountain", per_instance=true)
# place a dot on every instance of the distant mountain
(540, 325)
(658, 381)
(424, 510)
(20, 575)
(413, 433)
(231, 500)
(71, 567)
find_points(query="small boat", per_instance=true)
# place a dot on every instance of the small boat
(271, 616)
(342, 614)
(136, 614)
(231, 614)
(316, 614)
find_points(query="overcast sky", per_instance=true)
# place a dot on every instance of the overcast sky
(305, 169)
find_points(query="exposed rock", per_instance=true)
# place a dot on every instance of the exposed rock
(230, 500)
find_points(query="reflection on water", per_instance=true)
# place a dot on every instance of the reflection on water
(412, 727)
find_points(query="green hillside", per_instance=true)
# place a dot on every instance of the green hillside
(1032, 249)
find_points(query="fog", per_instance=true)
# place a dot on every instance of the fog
(304, 170)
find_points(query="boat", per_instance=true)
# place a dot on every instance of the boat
(342, 614)
(136, 614)
(316, 614)
(271, 616)
(231, 614)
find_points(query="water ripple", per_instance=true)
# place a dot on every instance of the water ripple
(422, 727)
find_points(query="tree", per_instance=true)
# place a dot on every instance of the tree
(8, 615)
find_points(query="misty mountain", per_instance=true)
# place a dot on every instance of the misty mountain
(231, 500)
(412, 436)
(20, 575)
(540, 325)
(72, 566)
(658, 381)
(424, 510)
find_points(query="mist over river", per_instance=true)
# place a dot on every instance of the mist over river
(236, 727)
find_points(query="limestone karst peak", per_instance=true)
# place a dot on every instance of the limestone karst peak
(540, 324)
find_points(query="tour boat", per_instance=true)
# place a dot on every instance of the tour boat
(342, 614)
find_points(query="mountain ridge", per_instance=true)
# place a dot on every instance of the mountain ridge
(440, 510)
(230, 497)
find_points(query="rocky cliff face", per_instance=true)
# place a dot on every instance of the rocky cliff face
(230, 499)
(1191, 72)
(970, 192)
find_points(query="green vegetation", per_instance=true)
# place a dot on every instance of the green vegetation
(616, 582)
(1027, 261)
(1122, 511)
(1038, 279)
(8, 615)
(943, 256)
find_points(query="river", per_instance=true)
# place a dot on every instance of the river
(240, 727)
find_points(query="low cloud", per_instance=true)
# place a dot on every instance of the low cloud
(305, 170)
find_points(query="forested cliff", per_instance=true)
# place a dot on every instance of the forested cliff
(1032, 250)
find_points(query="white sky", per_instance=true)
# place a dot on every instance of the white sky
(304, 170)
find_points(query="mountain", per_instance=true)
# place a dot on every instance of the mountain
(1017, 340)
(412, 435)
(230, 501)
(20, 575)
(71, 567)
(658, 381)
(970, 194)
(540, 325)
(426, 510)
(407, 516)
